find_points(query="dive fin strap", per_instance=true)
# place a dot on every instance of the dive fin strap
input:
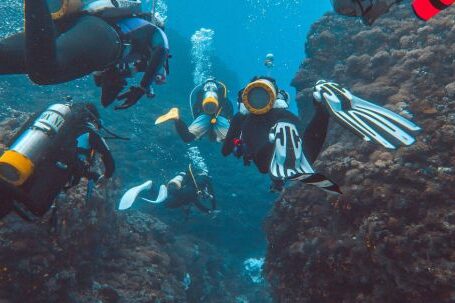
(319, 181)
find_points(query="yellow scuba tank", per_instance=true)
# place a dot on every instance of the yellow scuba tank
(18, 163)
(259, 96)
(63, 8)
(210, 103)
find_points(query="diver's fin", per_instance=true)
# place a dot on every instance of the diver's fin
(288, 159)
(130, 196)
(319, 181)
(367, 120)
(162, 196)
(221, 128)
(173, 114)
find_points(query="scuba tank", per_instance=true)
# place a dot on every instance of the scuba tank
(18, 163)
(210, 103)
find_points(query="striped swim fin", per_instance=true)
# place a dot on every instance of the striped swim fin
(319, 181)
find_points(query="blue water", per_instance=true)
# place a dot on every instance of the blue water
(246, 30)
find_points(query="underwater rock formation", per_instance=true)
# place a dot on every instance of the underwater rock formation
(391, 236)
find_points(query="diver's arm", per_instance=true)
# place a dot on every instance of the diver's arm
(156, 60)
(135, 93)
(201, 207)
(234, 132)
(101, 147)
(315, 133)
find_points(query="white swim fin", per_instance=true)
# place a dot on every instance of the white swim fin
(130, 196)
(162, 196)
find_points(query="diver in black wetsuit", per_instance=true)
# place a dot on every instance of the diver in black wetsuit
(183, 191)
(211, 111)
(368, 10)
(266, 133)
(51, 153)
(98, 36)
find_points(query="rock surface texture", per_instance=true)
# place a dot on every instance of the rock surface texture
(391, 237)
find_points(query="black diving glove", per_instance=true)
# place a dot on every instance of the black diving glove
(111, 85)
(131, 97)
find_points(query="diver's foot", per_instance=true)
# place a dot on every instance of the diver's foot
(378, 9)
(173, 114)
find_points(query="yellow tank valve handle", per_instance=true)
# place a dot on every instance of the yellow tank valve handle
(210, 105)
(15, 168)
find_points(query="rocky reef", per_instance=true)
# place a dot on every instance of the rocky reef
(391, 236)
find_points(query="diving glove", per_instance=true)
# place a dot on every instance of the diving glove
(131, 97)
(112, 83)
(367, 120)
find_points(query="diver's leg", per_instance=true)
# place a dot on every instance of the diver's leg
(315, 133)
(12, 55)
(90, 45)
(263, 157)
(183, 131)
(39, 37)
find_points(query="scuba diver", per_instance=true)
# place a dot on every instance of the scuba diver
(50, 154)
(183, 191)
(370, 10)
(211, 111)
(68, 39)
(266, 133)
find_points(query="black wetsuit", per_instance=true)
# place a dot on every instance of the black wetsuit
(227, 112)
(253, 130)
(61, 167)
(187, 194)
(52, 52)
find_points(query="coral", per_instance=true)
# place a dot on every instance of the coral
(391, 236)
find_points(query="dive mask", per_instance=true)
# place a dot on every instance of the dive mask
(259, 96)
